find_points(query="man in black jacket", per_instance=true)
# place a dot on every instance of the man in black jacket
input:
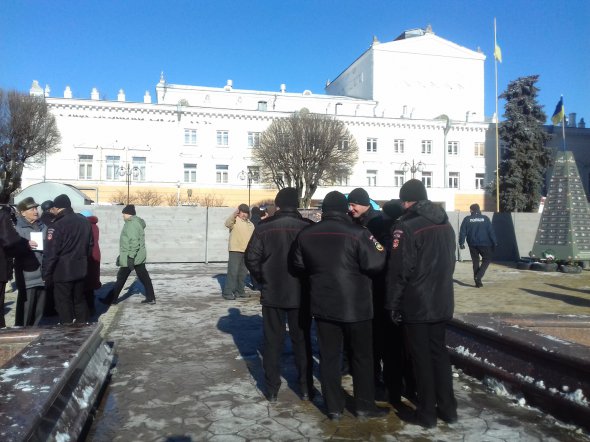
(481, 238)
(339, 259)
(282, 296)
(420, 296)
(69, 243)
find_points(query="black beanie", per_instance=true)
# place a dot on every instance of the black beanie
(474, 208)
(62, 202)
(335, 201)
(129, 209)
(359, 196)
(287, 197)
(413, 190)
(393, 209)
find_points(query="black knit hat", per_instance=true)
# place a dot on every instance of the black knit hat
(413, 190)
(335, 201)
(393, 209)
(46, 205)
(359, 196)
(62, 202)
(474, 208)
(129, 210)
(287, 197)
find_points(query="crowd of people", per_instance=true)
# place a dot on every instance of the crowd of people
(55, 257)
(377, 284)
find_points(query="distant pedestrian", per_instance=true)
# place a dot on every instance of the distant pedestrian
(481, 238)
(240, 231)
(31, 288)
(338, 258)
(132, 256)
(282, 296)
(65, 264)
(92, 281)
(420, 297)
(11, 245)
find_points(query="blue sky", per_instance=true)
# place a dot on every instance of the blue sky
(260, 44)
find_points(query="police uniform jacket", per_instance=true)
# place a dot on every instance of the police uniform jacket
(267, 257)
(478, 230)
(339, 258)
(421, 265)
(68, 245)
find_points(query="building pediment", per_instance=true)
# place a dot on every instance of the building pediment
(429, 44)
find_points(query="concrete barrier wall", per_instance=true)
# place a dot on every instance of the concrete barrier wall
(198, 234)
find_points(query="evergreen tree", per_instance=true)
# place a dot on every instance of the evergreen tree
(526, 158)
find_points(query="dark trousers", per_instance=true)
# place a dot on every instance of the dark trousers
(356, 337)
(2, 295)
(123, 274)
(34, 305)
(486, 253)
(70, 302)
(432, 371)
(236, 274)
(274, 338)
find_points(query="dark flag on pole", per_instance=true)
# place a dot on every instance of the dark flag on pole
(559, 113)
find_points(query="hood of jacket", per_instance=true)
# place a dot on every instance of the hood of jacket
(93, 219)
(432, 212)
(136, 219)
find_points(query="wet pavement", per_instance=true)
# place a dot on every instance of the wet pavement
(189, 368)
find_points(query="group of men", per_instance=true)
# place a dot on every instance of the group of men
(379, 285)
(57, 260)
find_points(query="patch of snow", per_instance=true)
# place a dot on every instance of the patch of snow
(66, 364)
(62, 437)
(8, 374)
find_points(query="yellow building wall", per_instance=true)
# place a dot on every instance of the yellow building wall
(486, 202)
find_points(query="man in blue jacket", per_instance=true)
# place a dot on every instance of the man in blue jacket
(481, 239)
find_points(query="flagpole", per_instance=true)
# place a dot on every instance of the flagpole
(497, 120)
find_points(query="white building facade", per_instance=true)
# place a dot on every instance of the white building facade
(414, 106)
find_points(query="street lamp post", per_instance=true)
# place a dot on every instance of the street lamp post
(129, 173)
(413, 168)
(250, 176)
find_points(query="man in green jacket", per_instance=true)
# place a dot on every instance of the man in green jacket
(132, 256)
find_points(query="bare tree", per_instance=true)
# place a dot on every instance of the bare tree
(28, 133)
(305, 150)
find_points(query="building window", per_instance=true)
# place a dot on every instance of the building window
(398, 146)
(398, 178)
(427, 147)
(341, 180)
(113, 165)
(190, 173)
(371, 144)
(371, 178)
(344, 144)
(221, 173)
(479, 180)
(427, 179)
(84, 167)
(223, 138)
(453, 147)
(479, 149)
(138, 165)
(190, 137)
(262, 106)
(454, 180)
(254, 173)
(253, 139)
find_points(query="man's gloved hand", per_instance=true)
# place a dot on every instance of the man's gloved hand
(395, 316)
(130, 262)
(462, 246)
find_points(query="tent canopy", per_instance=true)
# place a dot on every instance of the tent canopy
(48, 190)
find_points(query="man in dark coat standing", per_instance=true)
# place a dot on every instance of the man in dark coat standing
(420, 296)
(339, 258)
(481, 238)
(11, 245)
(69, 243)
(282, 295)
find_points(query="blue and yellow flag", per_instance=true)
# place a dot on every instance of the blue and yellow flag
(559, 113)
(498, 53)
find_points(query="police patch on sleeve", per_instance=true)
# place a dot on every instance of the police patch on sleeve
(377, 244)
(397, 234)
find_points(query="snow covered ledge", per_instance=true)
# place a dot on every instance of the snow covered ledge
(546, 357)
(49, 387)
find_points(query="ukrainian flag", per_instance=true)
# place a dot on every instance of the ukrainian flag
(498, 53)
(559, 113)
